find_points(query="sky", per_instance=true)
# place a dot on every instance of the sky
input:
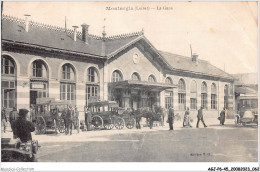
(223, 33)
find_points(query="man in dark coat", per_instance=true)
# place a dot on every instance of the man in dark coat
(22, 128)
(200, 117)
(4, 118)
(171, 118)
(222, 116)
(88, 118)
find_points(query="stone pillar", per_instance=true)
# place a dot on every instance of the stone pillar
(23, 92)
(54, 89)
(106, 79)
(80, 99)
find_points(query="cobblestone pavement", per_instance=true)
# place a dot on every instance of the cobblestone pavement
(215, 143)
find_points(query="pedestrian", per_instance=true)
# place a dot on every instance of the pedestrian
(55, 118)
(138, 119)
(32, 114)
(4, 118)
(163, 116)
(171, 117)
(88, 118)
(200, 117)
(186, 119)
(13, 115)
(22, 128)
(222, 116)
(150, 118)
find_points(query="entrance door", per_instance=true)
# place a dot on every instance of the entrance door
(33, 97)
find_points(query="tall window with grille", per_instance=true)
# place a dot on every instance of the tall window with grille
(182, 94)
(67, 85)
(204, 95)
(213, 96)
(117, 76)
(168, 99)
(226, 91)
(151, 78)
(136, 77)
(8, 84)
(92, 85)
(193, 95)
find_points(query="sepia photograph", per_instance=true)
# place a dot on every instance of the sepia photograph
(129, 81)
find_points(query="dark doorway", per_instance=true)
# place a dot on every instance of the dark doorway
(33, 97)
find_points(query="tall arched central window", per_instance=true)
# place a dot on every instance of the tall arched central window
(8, 87)
(182, 94)
(92, 85)
(151, 78)
(226, 91)
(213, 96)
(204, 95)
(193, 95)
(136, 77)
(117, 76)
(67, 85)
(168, 94)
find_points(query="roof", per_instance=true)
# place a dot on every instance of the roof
(183, 63)
(55, 38)
(13, 29)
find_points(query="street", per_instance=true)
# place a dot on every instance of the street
(212, 144)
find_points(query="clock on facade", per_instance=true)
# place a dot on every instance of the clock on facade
(136, 58)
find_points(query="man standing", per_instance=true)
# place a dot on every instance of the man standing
(171, 117)
(222, 116)
(88, 118)
(200, 117)
(3, 118)
(22, 128)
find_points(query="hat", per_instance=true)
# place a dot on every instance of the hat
(23, 112)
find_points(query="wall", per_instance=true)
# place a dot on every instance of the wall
(54, 64)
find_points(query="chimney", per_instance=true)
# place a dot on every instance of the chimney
(27, 22)
(194, 58)
(85, 32)
(75, 32)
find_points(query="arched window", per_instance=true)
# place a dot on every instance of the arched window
(213, 96)
(8, 67)
(39, 69)
(68, 72)
(204, 95)
(151, 78)
(38, 81)
(67, 85)
(182, 94)
(193, 95)
(168, 80)
(8, 87)
(226, 91)
(117, 76)
(136, 77)
(92, 85)
(92, 75)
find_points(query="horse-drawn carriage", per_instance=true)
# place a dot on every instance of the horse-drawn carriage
(107, 114)
(49, 115)
(151, 115)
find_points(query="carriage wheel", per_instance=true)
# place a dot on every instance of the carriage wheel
(97, 121)
(61, 126)
(40, 125)
(119, 123)
(109, 124)
(130, 123)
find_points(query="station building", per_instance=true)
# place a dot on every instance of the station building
(40, 61)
